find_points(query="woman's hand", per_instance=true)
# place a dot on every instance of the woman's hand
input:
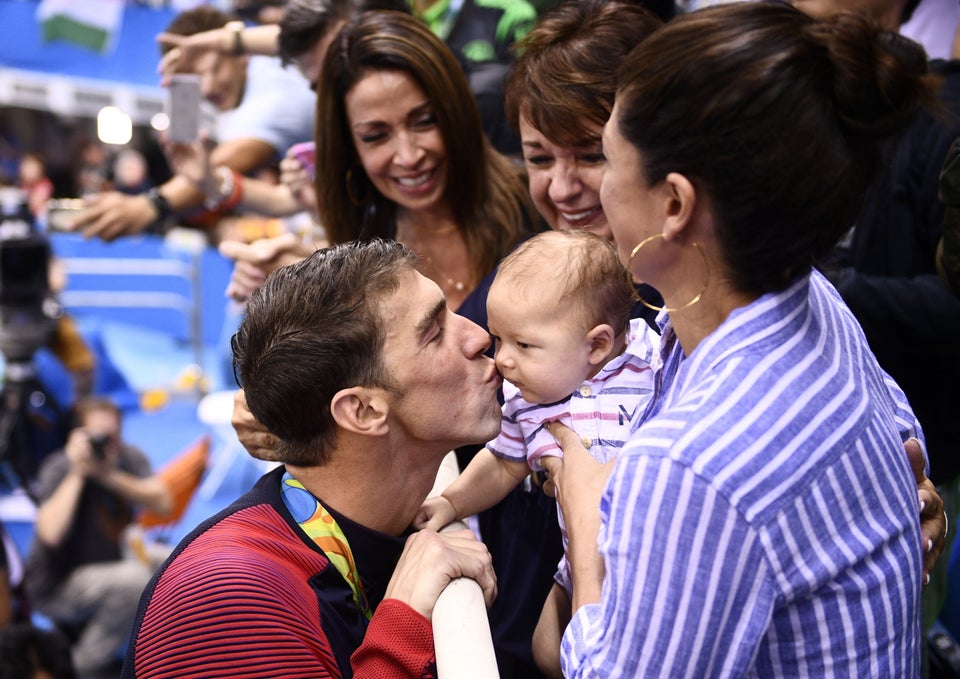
(933, 520)
(256, 260)
(579, 481)
(259, 442)
(300, 182)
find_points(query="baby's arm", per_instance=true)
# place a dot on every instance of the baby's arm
(486, 480)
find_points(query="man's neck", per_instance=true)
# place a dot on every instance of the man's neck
(380, 490)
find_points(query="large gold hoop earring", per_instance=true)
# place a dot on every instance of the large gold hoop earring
(699, 295)
(350, 194)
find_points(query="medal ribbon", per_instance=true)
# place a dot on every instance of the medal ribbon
(326, 533)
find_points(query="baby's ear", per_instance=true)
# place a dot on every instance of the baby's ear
(601, 338)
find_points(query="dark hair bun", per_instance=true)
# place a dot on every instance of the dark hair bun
(877, 74)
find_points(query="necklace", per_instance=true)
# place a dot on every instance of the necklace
(446, 282)
(433, 247)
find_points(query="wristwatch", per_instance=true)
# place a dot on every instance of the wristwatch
(163, 209)
(236, 27)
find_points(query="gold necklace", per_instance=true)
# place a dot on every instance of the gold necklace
(446, 282)
(417, 243)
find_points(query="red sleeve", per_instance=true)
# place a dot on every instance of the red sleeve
(398, 644)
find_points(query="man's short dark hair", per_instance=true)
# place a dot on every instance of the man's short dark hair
(197, 20)
(311, 330)
(306, 22)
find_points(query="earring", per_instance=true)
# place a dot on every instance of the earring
(699, 295)
(350, 193)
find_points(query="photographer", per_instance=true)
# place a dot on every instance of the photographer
(77, 573)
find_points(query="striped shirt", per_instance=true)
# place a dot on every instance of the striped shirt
(763, 519)
(603, 411)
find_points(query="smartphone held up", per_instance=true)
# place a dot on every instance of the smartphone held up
(184, 108)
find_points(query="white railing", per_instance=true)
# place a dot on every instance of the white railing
(461, 631)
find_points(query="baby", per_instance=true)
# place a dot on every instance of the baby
(559, 314)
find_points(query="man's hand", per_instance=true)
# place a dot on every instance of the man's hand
(933, 520)
(435, 513)
(430, 561)
(192, 162)
(79, 451)
(112, 214)
(259, 442)
(255, 261)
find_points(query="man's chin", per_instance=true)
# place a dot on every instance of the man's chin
(484, 432)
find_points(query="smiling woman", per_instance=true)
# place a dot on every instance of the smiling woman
(401, 154)
(745, 531)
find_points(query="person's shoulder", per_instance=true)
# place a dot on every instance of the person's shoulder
(53, 469)
(134, 459)
(248, 543)
(54, 462)
(948, 71)
(945, 68)
(268, 75)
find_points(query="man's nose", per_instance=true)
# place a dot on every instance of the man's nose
(475, 340)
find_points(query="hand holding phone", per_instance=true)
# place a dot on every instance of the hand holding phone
(306, 153)
(184, 108)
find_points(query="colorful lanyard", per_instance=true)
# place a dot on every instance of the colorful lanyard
(326, 533)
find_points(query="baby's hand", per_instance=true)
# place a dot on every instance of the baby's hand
(435, 513)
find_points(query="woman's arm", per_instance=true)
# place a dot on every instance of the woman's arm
(664, 592)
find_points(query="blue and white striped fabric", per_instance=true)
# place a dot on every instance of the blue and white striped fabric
(603, 411)
(763, 520)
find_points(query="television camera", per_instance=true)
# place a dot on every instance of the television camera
(28, 317)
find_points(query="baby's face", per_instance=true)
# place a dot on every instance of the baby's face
(541, 345)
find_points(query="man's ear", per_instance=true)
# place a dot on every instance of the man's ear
(361, 410)
(601, 338)
(682, 203)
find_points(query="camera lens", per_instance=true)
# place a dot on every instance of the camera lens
(98, 443)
